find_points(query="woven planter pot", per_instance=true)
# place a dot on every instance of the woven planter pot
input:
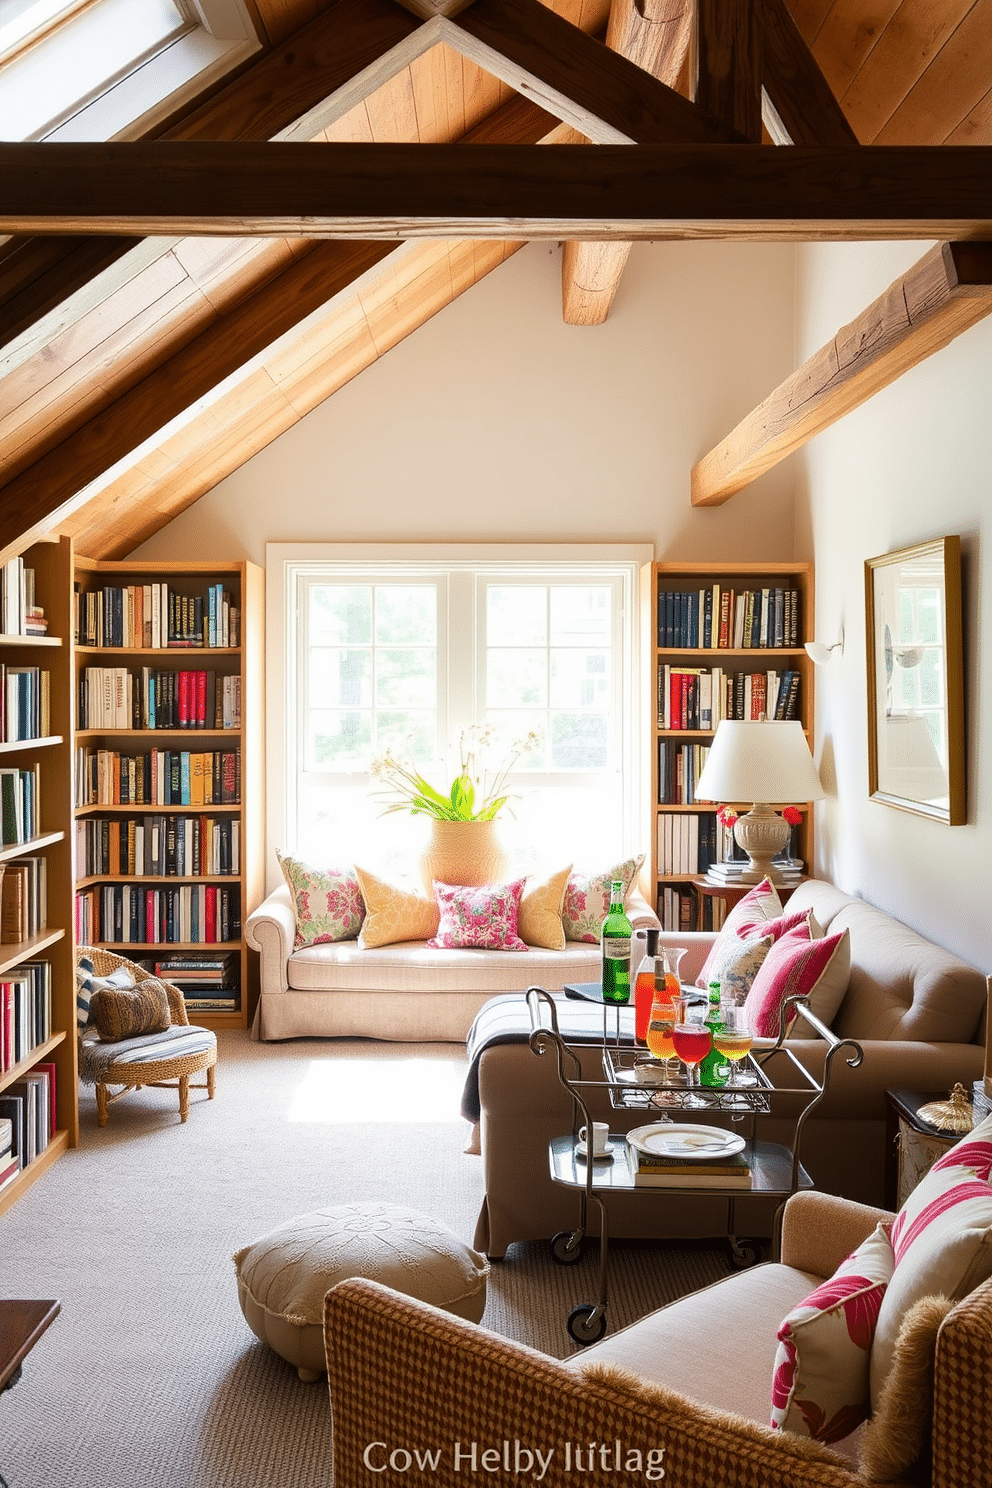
(463, 852)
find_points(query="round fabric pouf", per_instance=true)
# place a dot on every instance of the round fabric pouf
(283, 1277)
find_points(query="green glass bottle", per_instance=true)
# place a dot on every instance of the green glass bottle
(714, 1072)
(616, 938)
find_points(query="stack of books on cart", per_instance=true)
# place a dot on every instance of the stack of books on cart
(678, 1156)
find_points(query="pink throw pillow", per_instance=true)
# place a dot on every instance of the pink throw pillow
(799, 919)
(760, 903)
(820, 1386)
(483, 917)
(795, 966)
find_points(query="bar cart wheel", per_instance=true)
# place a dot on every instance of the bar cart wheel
(587, 1323)
(744, 1253)
(568, 1247)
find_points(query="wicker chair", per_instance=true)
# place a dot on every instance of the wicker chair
(170, 1070)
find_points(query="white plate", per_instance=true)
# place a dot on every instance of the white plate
(682, 1139)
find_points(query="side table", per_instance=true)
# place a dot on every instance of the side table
(912, 1145)
(21, 1325)
(707, 888)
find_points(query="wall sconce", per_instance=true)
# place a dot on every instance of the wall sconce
(819, 654)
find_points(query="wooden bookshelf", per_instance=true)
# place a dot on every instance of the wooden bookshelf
(51, 942)
(671, 812)
(243, 888)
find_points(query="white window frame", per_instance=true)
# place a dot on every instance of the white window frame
(286, 563)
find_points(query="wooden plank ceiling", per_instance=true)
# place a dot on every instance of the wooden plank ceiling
(134, 375)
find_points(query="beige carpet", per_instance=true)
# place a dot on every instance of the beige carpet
(150, 1375)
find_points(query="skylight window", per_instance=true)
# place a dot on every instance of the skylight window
(106, 69)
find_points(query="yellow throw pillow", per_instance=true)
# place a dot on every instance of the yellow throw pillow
(539, 917)
(393, 914)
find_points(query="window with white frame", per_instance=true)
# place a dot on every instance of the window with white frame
(406, 656)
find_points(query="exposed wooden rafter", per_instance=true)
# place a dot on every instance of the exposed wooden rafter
(728, 64)
(731, 192)
(946, 292)
(798, 105)
(656, 35)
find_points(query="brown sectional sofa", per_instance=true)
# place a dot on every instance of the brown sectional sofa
(917, 1011)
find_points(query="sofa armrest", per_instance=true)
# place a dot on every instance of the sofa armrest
(639, 912)
(409, 1378)
(820, 1230)
(271, 930)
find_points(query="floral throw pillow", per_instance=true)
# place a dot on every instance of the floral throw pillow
(327, 902)
(587, 898)
(735, 963)
(820, 1386)
(483, 917)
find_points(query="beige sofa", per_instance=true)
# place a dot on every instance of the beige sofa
(917, 1011)
(693, 1385)
(403, 991)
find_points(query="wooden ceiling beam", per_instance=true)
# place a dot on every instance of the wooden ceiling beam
(799, 105)
(728, 64)
(269, 97)
(732, 192)
(578, 79)
(946, 292)
(656, 35)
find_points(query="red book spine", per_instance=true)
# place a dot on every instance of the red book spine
(210, 915)
(151, 927)
(184, 711)
(201, 699)
(675, 698)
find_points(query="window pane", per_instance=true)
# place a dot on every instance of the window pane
(405, 614)
(517, 678)
(341, 614)
(579, 679)
(339, 740)
(405, 679)
(510, 726)
(516, 615)
(581, 615)
(579, 741)
(340, 678)
(411, 736)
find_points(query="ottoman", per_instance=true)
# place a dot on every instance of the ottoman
(283, 1277)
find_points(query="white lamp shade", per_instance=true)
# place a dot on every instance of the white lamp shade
(766, 761)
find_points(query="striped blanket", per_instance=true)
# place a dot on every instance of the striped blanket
(97, 1059)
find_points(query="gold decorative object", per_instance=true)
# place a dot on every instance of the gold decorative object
(954, 1115)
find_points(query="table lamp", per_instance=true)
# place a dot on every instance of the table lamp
(768, 763)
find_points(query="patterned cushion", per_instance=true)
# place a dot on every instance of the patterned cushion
(327, 902)
(941, 1239)
(820, 1386)
(795, 966)
(799, 919)
(125, 1012)
(539, 921)
(484, 916)
(735, 962)
(87, 983)
(760, 903)
(393, 914)
(587, 898)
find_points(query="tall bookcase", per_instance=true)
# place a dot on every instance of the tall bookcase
(46, 846)
(697, 645)
(168, 767)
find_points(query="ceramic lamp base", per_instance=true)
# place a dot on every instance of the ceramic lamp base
(762, 834)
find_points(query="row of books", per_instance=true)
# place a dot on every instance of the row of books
(25, 1011)
(149, 616)
(117, 914)
(788, 869)
(116, 698)
(678, 907)
(25, 703)
(697, 698)
(27, 1120)
(158, 777)
(23, 899)
(688, 843)
(158, 846)
(20, 613)
(208, 983)
(715, 618)
(650, 1171)
(679, 767)
(20, 804)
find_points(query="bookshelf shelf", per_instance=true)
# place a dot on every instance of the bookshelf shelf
(14, 850)
(124, 599)
(18, 746)
(60, 1141)
(29, 643)
(24, 950)
(684, 832)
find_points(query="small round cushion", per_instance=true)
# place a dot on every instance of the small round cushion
(283, 1277)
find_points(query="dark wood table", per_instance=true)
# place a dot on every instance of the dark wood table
(21, 1325)
(902, 1110)
(706, 888)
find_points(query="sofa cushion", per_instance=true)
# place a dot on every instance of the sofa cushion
(393, 914)
(760, 903)
(539, 922)
(820, 1385)
(126, 1012)
(587, 898)
(327, 902)
(735, 962)
(941, 1239)
(797, 966)
(410, 967)
(480, 915)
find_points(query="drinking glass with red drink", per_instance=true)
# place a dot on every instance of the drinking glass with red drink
(693, 1041)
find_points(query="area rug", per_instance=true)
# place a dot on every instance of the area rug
(150, 1378)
